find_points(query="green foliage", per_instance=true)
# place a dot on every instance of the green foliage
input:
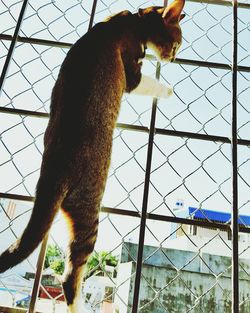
(95, 265)
(97, 262)
(58, 266)
(54, 259)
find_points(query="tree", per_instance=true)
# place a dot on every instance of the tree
(97, 262)
(95, 266)
(58, 266)
(54, 259)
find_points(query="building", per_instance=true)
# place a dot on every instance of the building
(181, 233)
(14, 288)
(193, 269)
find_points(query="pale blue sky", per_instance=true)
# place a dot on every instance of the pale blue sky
(201, 104)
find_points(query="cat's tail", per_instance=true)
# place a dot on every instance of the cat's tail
(46, 206)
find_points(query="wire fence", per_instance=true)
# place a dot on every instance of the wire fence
(167, 208)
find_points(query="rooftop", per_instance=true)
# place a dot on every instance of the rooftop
(216, 216)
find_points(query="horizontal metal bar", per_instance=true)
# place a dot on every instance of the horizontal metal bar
(174, 219)
(11, 310)
(58, 44)
(5, 309)
(23, 112)
(158, 131)
(161, 131)
(138, 128)
(14, 196)
(37, 41)
(222, 66)
(223, 2)
(150, 216)
(164, 218)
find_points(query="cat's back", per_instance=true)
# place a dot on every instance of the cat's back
(84, 91)
(92, 48)
(92, 60)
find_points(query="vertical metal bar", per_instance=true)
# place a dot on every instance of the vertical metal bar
(145, 201)
(234, 222)
(38, 276)
(91, 21)
(13, 44)
(2, 79)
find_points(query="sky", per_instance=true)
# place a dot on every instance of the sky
(195, 172)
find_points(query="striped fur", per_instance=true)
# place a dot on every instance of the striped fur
(85, 102)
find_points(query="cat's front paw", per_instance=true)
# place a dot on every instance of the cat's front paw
(166, 92)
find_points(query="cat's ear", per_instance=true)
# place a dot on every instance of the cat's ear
(172, 13)
(181, 17)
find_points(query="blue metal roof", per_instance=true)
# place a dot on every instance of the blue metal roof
(216, 216)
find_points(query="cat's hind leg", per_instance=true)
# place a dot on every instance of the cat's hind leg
(83, 223)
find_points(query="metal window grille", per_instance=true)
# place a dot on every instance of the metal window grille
(194, 146)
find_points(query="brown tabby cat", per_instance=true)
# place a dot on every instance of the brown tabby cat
(98, 69)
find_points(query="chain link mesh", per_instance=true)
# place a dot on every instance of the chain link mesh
(186, 266)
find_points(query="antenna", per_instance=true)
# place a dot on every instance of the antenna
(179, 204)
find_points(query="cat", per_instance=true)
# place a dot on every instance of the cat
(85, 102)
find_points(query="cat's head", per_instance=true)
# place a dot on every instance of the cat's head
(163, 27)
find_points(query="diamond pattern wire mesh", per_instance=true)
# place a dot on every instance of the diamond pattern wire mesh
(186, 267)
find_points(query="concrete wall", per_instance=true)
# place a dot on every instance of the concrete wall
(199, 286)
